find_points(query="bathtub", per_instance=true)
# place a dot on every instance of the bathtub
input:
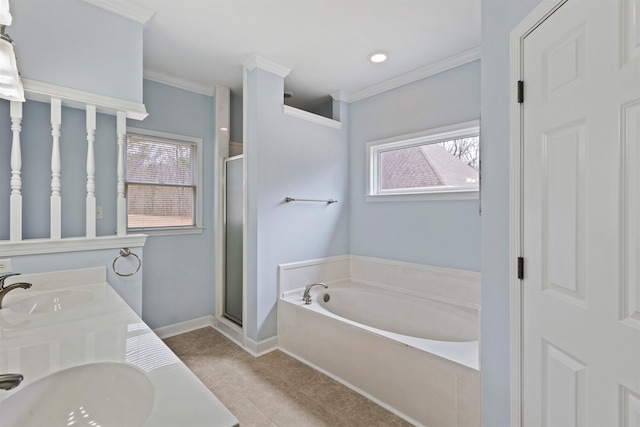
(416, 356)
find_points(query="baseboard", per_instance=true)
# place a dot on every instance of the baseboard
(182, 327)
(258, 348)
(234, 333)
(229, 330)
(252, 347)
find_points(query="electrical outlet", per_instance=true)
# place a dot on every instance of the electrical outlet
(99, 212)
(5, 265)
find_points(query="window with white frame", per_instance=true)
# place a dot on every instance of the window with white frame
(162, 179)
(442, 162)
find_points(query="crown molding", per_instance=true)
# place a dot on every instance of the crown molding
(125, 8)
(257, 61)
(340, 95)
(178, 82)
(413, 76)
(43, 92)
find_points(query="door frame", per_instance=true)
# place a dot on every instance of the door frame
(516, 198)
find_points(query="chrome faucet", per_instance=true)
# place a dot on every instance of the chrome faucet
(4, 289)
(10, 381)
(306, 297)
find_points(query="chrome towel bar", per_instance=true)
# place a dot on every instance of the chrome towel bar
(291, 199)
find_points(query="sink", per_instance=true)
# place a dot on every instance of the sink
(97, 394)
(50, 302)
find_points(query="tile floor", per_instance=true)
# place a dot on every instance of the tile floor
(274, 389)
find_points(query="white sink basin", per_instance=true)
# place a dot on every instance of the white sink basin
(98, 394)
(50, 302)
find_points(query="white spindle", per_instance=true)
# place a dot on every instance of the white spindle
(15, 200)
(56, 199)
(121, 129)
(91, 172)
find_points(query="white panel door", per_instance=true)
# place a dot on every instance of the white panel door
(581, 217)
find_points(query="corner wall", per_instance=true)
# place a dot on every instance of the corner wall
(439, 233)
(179, 270)
(499, 17)
(288, 156)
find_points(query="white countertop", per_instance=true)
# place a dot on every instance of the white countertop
(103, 330)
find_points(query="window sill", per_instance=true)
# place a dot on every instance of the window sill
(419, 197)
(167, 231)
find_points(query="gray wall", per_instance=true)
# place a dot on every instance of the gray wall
(441, 233)
(289, 156)
(74, 44)
(499, 17)
(129, 288)
(179, 275)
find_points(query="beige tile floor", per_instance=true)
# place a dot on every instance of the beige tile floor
(274, 389)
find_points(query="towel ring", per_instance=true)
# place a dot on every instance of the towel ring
(125, 252)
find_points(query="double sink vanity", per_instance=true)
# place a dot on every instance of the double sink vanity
(87, 359)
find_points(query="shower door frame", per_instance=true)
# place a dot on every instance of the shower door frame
(222, 141)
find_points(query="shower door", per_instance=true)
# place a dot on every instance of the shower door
(234, 199)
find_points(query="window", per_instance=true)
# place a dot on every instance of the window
(438, 163)
(162, 178)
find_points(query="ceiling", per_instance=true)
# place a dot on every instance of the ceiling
(326, 43)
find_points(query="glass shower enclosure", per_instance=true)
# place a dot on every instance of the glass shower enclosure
(233, 223)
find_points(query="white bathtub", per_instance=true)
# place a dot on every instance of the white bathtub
(415, 356)
(401, 313)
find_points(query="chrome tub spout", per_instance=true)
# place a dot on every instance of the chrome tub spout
(306, 297)
(10, 381)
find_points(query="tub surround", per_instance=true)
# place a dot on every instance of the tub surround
(102, 328)
(460, 287)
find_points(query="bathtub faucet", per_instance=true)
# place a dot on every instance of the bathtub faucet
(306, 297)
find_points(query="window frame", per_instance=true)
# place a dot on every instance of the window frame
(430, 136)
(198, 227)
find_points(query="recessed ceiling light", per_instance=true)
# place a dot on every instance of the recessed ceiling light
(378, 57)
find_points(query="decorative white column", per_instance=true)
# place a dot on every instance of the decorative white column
(56, 199)
(91, 172)
(121, 130)
(15, 200)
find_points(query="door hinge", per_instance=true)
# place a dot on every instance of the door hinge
(520, 268)
(520, 91)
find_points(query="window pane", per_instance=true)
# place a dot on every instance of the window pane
(156, 161)
(159, 206)
(448, 164)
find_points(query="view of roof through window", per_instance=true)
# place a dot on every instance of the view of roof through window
(452, 163)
